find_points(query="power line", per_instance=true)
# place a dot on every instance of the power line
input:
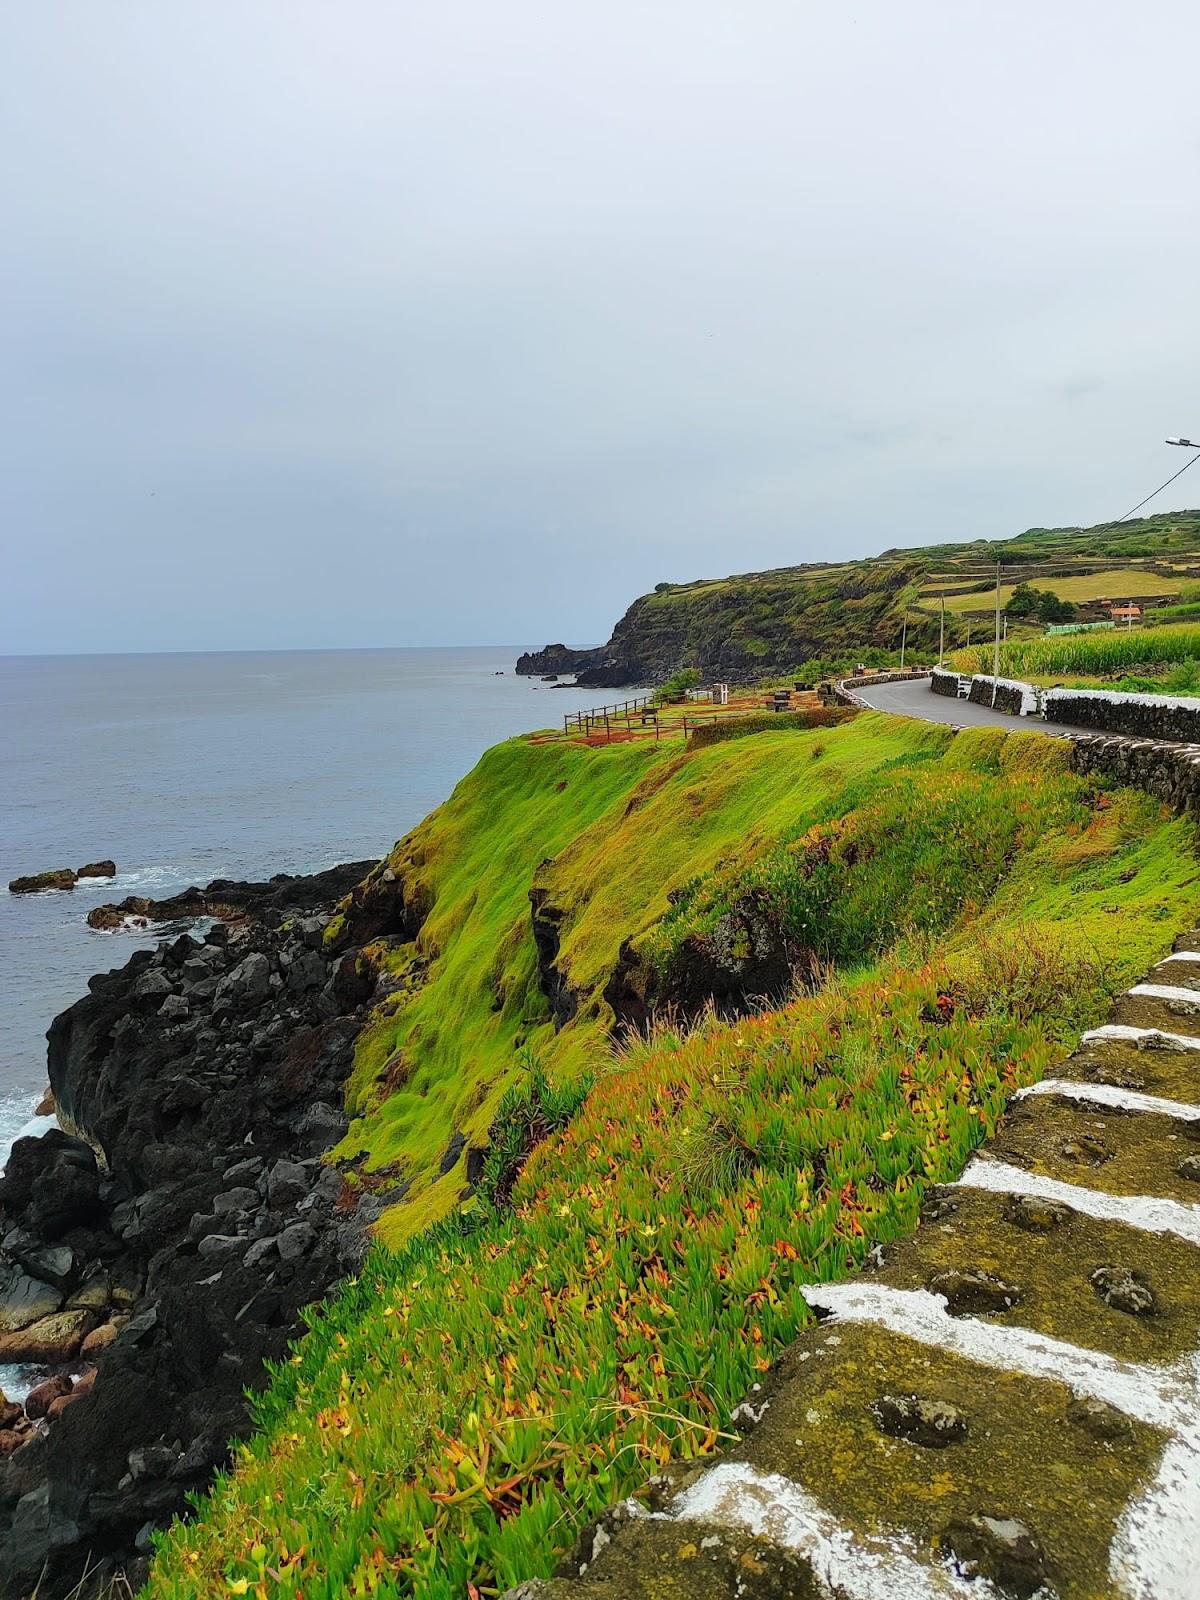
(1161, 487)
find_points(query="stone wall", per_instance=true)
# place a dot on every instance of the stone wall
(1149, 716)
(1169, 772)
(945, 683)
(1005, 694)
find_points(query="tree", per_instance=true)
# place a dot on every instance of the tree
(1024, 601)
(1051, 609)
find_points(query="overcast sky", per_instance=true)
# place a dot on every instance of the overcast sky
(349, 323)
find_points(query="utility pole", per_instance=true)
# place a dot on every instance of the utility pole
(903, 640)
(996, 647)
(942, 633)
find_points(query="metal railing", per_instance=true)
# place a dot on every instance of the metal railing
(603, 716)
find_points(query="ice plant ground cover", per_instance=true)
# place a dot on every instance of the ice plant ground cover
(454, 1416)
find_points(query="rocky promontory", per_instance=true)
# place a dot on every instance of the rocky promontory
(230, 898)
(737, 629)
(160, 1245)
(557, 659)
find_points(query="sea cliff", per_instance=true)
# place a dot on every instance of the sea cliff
(851, 946)
(611, 1056)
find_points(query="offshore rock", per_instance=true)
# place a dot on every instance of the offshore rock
(97, 869)
(556, 659)
(57, 878)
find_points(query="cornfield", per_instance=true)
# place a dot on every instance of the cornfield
(1094, 654)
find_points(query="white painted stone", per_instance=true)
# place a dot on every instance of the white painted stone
(736, 1495)
(1164, 702)
(1108, 1094)
(1147, 1212)
(1147, 1038)
(1167, 991)
(1152, 1394)
(1030, 696)
(1154, 1549)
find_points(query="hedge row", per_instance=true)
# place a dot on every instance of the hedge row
(769, 722)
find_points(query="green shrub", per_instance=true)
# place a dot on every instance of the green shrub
(529, 1112)
(676, 687)
(717, 731)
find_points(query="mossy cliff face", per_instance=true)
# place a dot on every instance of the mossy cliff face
(735, 629)
(499, 922)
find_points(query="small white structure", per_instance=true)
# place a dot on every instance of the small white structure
(720, 694)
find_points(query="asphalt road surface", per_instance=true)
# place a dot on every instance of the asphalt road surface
(917, 699)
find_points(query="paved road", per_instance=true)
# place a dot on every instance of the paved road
(917, 699)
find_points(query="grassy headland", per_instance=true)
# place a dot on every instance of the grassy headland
(806, 620)
(629, 1259)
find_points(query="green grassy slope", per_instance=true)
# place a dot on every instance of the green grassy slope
(612, 832)
(462, 1408)
(436, 1058)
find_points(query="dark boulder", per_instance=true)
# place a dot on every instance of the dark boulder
(97, 869)
(24, 1299)
(51, 1183)
(267, 901)
(57, 878)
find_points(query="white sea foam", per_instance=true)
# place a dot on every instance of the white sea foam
(12, 1129)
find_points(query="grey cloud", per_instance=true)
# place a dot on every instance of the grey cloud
(396, 324)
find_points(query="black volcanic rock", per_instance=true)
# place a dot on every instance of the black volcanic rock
(556, 659)
(35, 883)
(174, 1236)
(269, 901)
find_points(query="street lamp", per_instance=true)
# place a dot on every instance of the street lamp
(1185, 444)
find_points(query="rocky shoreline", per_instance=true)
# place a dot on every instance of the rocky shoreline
(160, 1245)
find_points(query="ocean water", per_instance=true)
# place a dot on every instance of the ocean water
(183, 768)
